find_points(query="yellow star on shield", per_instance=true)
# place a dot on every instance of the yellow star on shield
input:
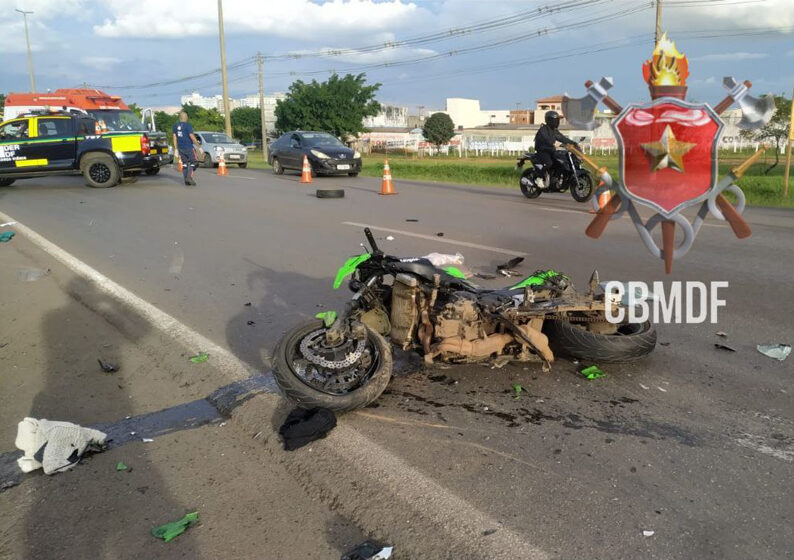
(667, 151)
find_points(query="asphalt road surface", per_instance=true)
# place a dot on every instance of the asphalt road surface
(694, 443)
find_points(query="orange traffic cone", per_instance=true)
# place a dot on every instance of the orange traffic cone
(306, 172)
(603, 198)
(387, 187)
(222, 165)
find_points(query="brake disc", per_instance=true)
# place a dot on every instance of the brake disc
(312, 354)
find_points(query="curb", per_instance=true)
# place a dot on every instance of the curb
(380, 492)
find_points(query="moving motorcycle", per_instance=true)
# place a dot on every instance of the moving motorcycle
(345, 362)
(565, 174)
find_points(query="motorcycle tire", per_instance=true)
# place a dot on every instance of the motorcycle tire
(527, 184)
(571, 340)
(305, 396)
(582, 187)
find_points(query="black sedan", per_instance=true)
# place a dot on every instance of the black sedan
(327, 155)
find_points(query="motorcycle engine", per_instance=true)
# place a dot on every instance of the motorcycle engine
(459, 318)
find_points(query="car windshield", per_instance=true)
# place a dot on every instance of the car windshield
(321, 139)
(117, 121)
(216, 138)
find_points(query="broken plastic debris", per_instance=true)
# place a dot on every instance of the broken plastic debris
(199, 358)
(592, 372)
(509, 265)
(175, 528)
(440, 234)
(147, 440)
(6, 236)
(644, 386)
(722, 334)
(776, 351)
(369, 550)
(249, 323)
(411, 220)
(485, 275)
(121, 466)
(647, 533)
(724, 347)
(516, 390)
(248, 304)
(31, 274)
(389, 238)
(328, 317)
(441, 259)
(107, 367)
(7, 224)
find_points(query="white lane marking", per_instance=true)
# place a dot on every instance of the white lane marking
(440, 239)
(434, 499)
(566, 210)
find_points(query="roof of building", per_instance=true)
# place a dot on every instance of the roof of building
(552, 99)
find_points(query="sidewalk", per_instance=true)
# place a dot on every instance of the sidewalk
(50, 340)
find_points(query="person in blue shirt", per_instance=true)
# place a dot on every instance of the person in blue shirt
(185, 140)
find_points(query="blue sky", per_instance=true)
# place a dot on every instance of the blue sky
(121, 43)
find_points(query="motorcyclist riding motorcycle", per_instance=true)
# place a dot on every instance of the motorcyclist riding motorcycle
(545, 139)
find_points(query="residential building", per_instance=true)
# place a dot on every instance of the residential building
(390, 116)
(553, 103)
(466, 113)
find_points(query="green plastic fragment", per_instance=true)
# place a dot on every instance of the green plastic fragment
(593, 372)
(200, 358)
(349, 268)
(175, 528)
(328, 317)
(121, 466)
(516, 390)
(537, 279)
(454, 271)
(6, 236)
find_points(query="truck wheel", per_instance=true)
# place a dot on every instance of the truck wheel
(5, 182)
(100, 170)
(153, 171)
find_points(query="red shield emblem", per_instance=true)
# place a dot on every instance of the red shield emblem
(668, 153)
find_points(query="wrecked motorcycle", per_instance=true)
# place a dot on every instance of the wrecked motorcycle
(565, 174)
(344, 362)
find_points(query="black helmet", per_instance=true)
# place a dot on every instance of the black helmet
(553, 119)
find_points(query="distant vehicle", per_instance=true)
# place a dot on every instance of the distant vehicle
(215, 143)
(112, 115)
(45, 143)
(326, 154)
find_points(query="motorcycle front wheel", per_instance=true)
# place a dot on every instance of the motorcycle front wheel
(342, 376)
(527, 184)
(582, 187)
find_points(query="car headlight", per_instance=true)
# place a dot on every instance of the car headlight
(244, 148)
(356, 154)
(319, 154)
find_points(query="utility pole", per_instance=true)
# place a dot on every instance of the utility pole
(30, 56)
(226, 110)
(262, 105)
(658, 21)
(786, 173)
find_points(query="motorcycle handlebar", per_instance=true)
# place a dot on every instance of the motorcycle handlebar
(371, 239)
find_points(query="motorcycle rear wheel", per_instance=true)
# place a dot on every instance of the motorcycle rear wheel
(527, 183)
(631, 342)
(288, 355)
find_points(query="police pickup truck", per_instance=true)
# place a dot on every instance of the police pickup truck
(39, 144)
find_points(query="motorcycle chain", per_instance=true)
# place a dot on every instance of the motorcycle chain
(349, 360)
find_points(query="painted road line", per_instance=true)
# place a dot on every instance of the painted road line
(437, 239)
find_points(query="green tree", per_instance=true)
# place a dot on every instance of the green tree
(438, 129)
(135, 109)
(337, 106)
(776, 130)
(246, 123)
(165, 122)
(2, 101)
(204, 119)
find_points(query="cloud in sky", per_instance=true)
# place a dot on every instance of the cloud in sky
(720, 57)
(101, 62)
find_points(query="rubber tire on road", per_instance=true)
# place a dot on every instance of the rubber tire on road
(307, 397)
(573, 341)
(353, 174)
(277, 168)
(589, 179)
(6, 182)
(330, 193)
(100, 157)
(153, 171)
(243, 165)
(529, 192)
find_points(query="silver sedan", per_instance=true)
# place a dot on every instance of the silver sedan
(216, 143)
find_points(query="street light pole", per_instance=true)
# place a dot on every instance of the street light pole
(262, 105)
(658, 21)
(30, 56)
(226, 111)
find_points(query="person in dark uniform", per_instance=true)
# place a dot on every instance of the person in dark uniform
(548, 134)
(184, 141)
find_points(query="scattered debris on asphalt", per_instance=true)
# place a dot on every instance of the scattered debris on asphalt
(107, 367)
(411, 220)
(328, 317)
(724, 347)
(489, 532)
(122, 467)
(644, 386)
(485, 275)
(199, 358)
(662, 389)
(511, 264)
(776, 351)
(171, 530)
(31, 274)
(592, 372)
(147, 440)
(517, 390)
(6, 236)
(369, 550)
(389, 238)
(7, 224)
(54, 446)
(303, 426)
(509, 273)
(664, 344)
(647, 533)
(440, 234)
(248, 304)
(722, 334)
(250, 323)
(442, 260)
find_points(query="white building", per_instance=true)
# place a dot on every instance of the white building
(466, 113)
(390, 116)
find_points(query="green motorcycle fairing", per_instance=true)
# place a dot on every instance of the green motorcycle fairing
(454, 272)
(349, 268)
(537, 279)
